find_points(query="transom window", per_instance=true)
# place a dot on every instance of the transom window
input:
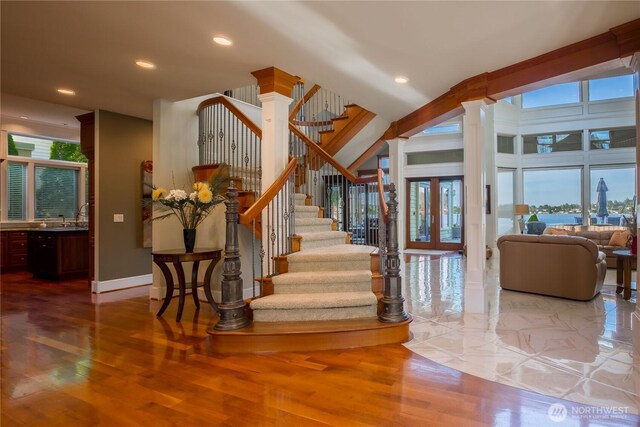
(611, 88)
(564, 93)
(607, 139)
(551, 143)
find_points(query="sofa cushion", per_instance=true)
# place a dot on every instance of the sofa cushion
(556, 231)
(619, 238)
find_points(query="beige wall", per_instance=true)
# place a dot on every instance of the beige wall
(122, 143)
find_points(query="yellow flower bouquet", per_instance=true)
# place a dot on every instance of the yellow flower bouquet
(192, 208)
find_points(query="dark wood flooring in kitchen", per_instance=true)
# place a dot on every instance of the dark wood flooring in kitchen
(75, 360)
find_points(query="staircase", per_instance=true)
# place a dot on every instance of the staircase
(326, 280)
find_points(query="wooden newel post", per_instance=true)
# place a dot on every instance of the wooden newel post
(232, 308)
(392, 300)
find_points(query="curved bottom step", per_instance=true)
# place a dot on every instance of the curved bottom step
(309, 336)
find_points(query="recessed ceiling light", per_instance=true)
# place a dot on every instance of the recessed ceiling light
(24, 117)
(222, 40)
(67, 91)
(401, 79)
(146, 64)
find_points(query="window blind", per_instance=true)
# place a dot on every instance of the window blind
(56, 192)
(17, 190)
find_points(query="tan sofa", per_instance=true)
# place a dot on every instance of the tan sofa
(560, 266)
(600, 237)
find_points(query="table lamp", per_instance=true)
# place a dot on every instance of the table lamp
(522, 210)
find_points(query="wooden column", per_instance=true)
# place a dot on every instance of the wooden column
(87, 146)
(232, 308)
(392, 300)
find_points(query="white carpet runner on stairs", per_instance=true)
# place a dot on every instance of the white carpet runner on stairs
(327, 279)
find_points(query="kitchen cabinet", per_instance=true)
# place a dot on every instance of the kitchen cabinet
(14, 250)
(59, 253)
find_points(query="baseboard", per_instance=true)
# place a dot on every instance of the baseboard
(98, 287)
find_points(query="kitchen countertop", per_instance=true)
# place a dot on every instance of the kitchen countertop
(58, 229)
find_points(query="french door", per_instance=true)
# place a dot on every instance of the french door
(435, 213)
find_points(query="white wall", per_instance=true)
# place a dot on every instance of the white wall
(175, 152)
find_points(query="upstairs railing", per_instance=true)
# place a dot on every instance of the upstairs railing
(314, 112)
(249, 94)
(226, 135)
(352, 202)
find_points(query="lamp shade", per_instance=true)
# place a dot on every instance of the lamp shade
(522, 209)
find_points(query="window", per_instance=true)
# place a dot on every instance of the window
(611, 88)
(506, 144)
(564, 93)
(443, 128)
(56, 192)
(505, 201)
(618, 184)
(441, 156)
(383, 163)
(554, 194)
(607, 139)
(57, 173)
(551, 143)
(17, 190)
(508, 99)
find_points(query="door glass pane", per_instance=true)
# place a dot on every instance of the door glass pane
(450, 211)
(419, 211)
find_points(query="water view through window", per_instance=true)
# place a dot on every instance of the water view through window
(618, 198)
(554, 195)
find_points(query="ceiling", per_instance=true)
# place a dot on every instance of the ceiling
(354, 48)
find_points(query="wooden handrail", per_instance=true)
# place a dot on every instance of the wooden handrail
(269, 195)
(383, 203)
(303, 101)
(234, 110)
(325, 156)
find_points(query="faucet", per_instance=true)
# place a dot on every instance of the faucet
(64, 221)
(79, 213)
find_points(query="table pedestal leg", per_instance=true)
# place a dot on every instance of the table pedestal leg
(619, 278)
(194, 283)
(182, 287)
(168, 278)
(627, 278)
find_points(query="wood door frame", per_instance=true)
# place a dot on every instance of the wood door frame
(434, 230)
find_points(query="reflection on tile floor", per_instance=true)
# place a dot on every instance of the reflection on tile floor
(579, 351)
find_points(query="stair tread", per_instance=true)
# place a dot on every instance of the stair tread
(313, 221)
(322, 277)
(311, 301)
(322, 235)
(304, 208)
(344, 250)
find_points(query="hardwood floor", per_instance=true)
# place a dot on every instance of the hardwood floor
(70, 359)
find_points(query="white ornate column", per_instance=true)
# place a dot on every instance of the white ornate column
(275, 95)
(275, 91)
(475, 300)
(635, 316)
(396, 175)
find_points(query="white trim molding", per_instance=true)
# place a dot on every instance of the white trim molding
(98, 287)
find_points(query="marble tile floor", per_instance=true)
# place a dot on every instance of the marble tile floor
(578, 351)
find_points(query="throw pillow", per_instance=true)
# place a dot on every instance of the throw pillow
(619, 238)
